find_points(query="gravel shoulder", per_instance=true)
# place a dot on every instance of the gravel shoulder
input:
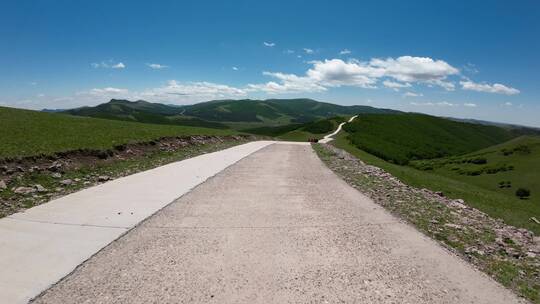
(276, 227)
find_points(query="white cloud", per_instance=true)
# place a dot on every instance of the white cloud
(119, 65)
(269, 44)
(470, 105)
(508, 104)
(234, 68)
(190, 91)
(156, 66)
(412, 94)
(106, 91)
(172, 92)
(289, 83)
(415, 69)
(108, 65)
(430, 104)
(289, 51)
(396, 85)
(309, 51)
(345, 52)
(336, 72)
(470, 68)
(496, 88)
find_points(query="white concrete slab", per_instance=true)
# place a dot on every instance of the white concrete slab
(40, 246)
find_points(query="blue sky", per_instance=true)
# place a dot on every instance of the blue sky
(474, 59)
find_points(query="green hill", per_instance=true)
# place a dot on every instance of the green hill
(142, 111)
(405, 137)
(280, 111)
(26, 133)
(238, 114)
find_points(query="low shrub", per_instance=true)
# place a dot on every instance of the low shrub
(523, 193)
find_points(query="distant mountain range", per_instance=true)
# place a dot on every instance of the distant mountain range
(224, 113)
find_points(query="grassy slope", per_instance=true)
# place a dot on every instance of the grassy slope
(25, 133)
(499, 205)
(405, 137)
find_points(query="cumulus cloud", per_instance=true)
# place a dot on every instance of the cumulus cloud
(495, 88)
(269, 44)
(414, 69)
(309, 51)
(345, 52)
(234, 68)
(508, 104)
(398, 73)
(156, 66)
(470, 105)
(289, 51)
(108, 65)
(289, 83)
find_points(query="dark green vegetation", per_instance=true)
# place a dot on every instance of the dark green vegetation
(507, 254)
(406, 137)
(236, 114)
(27, 133)
(492, 186)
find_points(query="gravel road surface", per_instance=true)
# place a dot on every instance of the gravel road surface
(276, 227)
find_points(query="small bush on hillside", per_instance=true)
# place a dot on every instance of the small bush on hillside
(523, 149)
(478, 161)
(523, 193)
(505, 184)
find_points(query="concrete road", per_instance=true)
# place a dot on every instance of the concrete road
(43, 244)
(276, 227)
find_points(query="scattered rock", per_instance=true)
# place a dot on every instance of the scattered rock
(55, 167)
(24, 190)
(534, 219)
(3, 185)
(40, 188)
(455, 226)
(439, 193)
(56, 175)
(66, 182)
(103, 178)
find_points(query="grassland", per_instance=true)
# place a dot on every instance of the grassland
(405, 137)
(27, 133)
(482, 193)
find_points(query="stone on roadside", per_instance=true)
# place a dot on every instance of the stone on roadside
(103, 178)
(66, 182)
(40, 188)
(24, 190)
(56, 175)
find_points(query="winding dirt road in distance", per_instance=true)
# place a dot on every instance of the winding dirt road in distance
(276, 227)
(328, 137)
